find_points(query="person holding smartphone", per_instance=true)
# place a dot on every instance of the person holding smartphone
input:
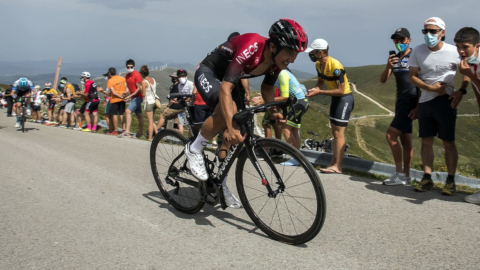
(432, 68)
(405, 107)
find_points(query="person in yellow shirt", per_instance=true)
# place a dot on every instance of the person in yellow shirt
(52, 95)
(332, 75)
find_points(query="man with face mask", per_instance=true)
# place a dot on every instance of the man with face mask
(331, 73)
(405, 108)
(173, 108)
(134, 82)
(432, 68)
(467, 40)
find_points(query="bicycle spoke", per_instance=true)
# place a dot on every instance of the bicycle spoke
(300, 203)
(290, 215)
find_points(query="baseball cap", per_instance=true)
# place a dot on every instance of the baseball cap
(436, 21)
(402, 32)
(317, 44)
(112, 71)
(174, 75)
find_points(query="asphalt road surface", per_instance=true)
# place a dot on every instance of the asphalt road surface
(75, 200)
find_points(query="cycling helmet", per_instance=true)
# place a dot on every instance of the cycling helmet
(23, 82)
(37, 87)
(181, 72)
(289, 34)
(85, 74)
(48, 85)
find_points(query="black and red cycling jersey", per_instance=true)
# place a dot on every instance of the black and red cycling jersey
(236, 58)
(91, 90)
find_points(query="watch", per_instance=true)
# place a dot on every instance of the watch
(463, 90)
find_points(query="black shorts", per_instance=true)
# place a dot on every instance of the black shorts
(436, 117)
(61, 108)
(117, 108)
(21, 93)
(82, 109)
(208, 85)
(51, 105)
(201, 113)
(401, 121)
(92, 107)
(340, 110)
(36, 108)
(301, 107)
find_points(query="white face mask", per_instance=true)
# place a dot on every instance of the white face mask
(130, 70)
(182, 80)
(106, 78)
(474, 60)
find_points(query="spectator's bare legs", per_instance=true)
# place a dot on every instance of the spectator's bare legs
(128, 116)
(338, 148)
(122, 120)
(107, 119)
(95, 119)
(406, 140)
(140, 124)
(115, 122)
(151, 125)
(277, 130)
(180, 128)
(427, 154)
(161, 121)
(392, 139)
(451, 157)
(268, 131)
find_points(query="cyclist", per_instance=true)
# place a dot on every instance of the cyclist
(331, 72)
(22, 88)
(244, 56)
(90, 95)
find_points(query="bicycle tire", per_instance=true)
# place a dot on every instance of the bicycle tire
(24, 118)
(253, 195)
(174, 181)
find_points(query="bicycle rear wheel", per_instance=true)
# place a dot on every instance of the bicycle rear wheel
(169, 167)
(296, 215)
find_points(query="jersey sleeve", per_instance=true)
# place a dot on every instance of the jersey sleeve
(271, 78)
(31, 85)
(138, 78)
(15, 84)
(412, 60)
(284, 84)
(338, 72)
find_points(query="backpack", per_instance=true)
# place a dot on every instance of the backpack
(77, 88)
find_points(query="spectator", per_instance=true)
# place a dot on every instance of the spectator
(90, 95)
(50, 94)
(37, 104)
(62, 100)
(106, 103)
(173, 108)
(134, 82)
(406, 102)
(117, 86)
(331, 73)
(432, 68)
(69, 96)
(9, 99)
(149, 86)
(468, 43)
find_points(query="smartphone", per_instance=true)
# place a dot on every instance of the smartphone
(394, 54)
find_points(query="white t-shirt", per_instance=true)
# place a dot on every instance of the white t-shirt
(439, 66)
(186, 88)
(476, 70)
(38, 99)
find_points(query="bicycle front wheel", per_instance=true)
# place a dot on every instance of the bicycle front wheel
(169, 167)
(297, 213)
(24, 118)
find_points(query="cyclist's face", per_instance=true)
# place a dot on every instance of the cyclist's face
(285, 57)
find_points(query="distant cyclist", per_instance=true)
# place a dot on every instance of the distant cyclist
(22, 88)
(244, 56)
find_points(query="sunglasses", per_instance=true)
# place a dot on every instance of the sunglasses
(129, 66)
(431, 31)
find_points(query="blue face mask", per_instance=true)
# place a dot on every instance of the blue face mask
(473, 60)
(431, 40)
(401, 47)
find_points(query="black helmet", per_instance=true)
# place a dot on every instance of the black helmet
(181, 72)
(289, 34)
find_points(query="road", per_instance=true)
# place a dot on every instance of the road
(354, 87)
(74, 200)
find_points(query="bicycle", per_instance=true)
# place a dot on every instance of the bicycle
(325, 145)
(286, 202)
(23, 112)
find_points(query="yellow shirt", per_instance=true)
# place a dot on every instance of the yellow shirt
(334, 75)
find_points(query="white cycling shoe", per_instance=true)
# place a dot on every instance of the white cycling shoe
(196, 164)
(230, 199)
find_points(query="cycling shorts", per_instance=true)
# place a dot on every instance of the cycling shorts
(340, 110)
(51, 105)
(295, 120)
(92, 107)
(21, 93)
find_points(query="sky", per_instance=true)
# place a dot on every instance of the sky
(358, 32)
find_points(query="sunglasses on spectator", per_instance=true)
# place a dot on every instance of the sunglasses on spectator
(431, 31)
(129, 66)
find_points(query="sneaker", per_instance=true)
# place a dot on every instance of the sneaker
(230, 199)
(290, 162)
(449, 188)
(123, 135)
(276, 153)
(86, 130)
(474, 198)
(113, 133)
(395, 179)
(77, 128)
(63, 126)
(214, 145)
(17, 124)
(196, 164)
(14, 114)
(424, 185)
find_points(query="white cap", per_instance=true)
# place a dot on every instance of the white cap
(317, 44)
(435, 21)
